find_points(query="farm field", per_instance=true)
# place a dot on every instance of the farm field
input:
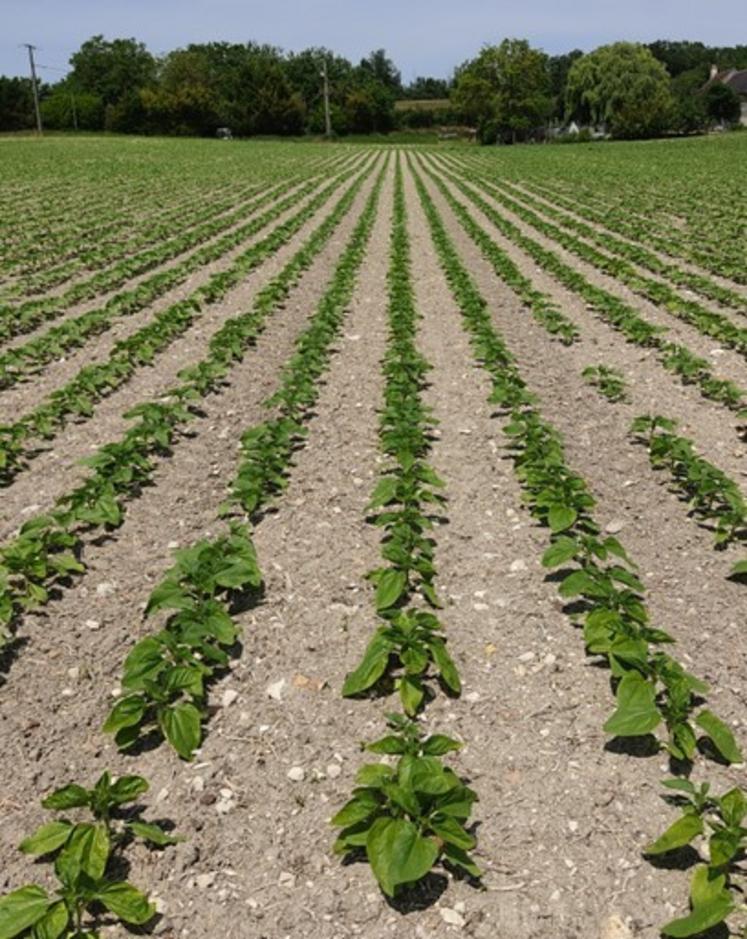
(294, 438)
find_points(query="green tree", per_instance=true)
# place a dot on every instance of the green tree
(558, 67)
(112, 69)
(505, 91)
(722, 103)
(66, 106)
(621, 87)
(185, 101)
(379, 67)
(16, 104)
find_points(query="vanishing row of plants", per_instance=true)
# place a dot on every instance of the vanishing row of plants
(166, 675)
(157, 229)
(690, 369)
(609, 382)
(634, 252)
(407, 816)
(542, 307)
(652, 689)
(711, 495)
(96, 381)
(706, 321)
(47, 551)
(28, 315)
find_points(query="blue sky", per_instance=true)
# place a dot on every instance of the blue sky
(424, 37)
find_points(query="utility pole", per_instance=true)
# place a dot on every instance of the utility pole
(34, 85)
(75, 110)
(327, 117)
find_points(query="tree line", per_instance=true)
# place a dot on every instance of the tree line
(507, 92)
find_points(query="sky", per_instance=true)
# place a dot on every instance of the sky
(423, 37)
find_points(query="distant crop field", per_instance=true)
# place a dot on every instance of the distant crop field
(373, 531)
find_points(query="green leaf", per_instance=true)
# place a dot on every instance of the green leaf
(445, 665)
(739, 568)
(677, 835)
(374, 775)
(372, 666)
(89, 847)
(152, 833)
(168, 595)
(68, 797)
(362, 806)
(722, 737)
(392, 584)
(52, 925)
(561, 550)
(438, 744)
(21, 909)
(127, 712)
(127, 789)
(181, 727)
(636, 712)
(453, 832)
(710, 901)
(127, 903)
(561, 517)
(460, 858)
(384, 493)
(411, 692)
(398, 854)
(46, 839)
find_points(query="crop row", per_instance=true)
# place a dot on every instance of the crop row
(47, 550)
(634, 252)
(94, 382)
(690, 369)
(166, 674)
(185, 214)
(706, 321)
(405, 818)
(23, 318)
(652, 688)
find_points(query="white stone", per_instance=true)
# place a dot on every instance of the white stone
(228, 697)
(93, 624)
(334, 770)
(518, 565)
(614, 927)
(204, 881)
(275, 690)
(296, 774)
(452, 917)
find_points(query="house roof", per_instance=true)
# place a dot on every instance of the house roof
(736, 79)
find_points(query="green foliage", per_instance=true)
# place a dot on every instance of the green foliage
(622, 87)
(87, 863)
(505, 91)
(609, 381)
(722, 103)
(408, 816)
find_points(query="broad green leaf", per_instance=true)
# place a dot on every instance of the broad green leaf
(389, 744)
(677, 835)
(127, 712)
(560, 551)
(362, 806)
(68, 797)
(21, 909)
(445, 665)
(740, 568)
(127, 789)
(702, 917)
(723, 846)
(153, 834)
(46, 839)
(52, 925)
(722, 737)
(561, 517)
(438, 744)
(89, 847)
(460, 858)
(398, 854)
(392, 585)
(636, 712)
(452, 832)
(374, 774)
(181, 727)
(411, 692)
(168, 595)
(127, 903)
(385, 492)
(372, 667)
